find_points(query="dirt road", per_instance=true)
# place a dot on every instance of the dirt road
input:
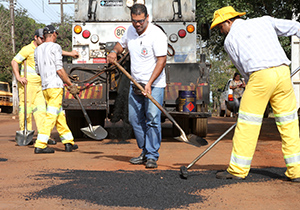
(99, 176)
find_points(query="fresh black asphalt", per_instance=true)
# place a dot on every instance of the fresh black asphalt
(152, 189)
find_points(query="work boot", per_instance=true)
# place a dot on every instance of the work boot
(38, 150)
(69, 147)
(227, 175)
(51, 142)
(151, 163)
(138, 160)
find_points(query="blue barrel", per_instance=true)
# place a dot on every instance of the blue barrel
(187, 101)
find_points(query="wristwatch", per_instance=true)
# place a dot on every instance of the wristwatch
(113, 51)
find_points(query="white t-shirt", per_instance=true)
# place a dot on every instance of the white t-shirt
(48, 60)
(143, 51)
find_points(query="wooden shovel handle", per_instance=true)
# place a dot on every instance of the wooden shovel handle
(149, 96)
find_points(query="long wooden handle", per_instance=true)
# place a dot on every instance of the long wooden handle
(25, 97)
(148, 95)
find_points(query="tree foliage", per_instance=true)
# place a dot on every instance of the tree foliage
(24, 34)
(284, 9)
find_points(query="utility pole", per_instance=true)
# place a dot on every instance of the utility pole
(14, 80)
(62, 8)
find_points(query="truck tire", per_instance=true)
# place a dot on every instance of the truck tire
(228, 112)
(76, 120)
(267, 111)
(183, 122)
(222, 112)
(200, 126)
(7, 109)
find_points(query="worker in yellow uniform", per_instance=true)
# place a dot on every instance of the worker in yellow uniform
(35, 100)
(254, 49)
(48, 64)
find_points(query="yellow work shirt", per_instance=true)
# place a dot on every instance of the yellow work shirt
(27, 53)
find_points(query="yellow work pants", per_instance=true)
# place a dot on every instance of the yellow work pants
(274, 85)
(36, 104)
(55, 116)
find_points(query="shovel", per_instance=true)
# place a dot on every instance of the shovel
(95, 132)
(191, 138)
(24, 137)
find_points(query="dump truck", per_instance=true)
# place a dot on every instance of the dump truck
(6, 98)
(97, 27)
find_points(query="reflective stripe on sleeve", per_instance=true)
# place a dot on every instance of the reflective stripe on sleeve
(285, 118)
(52, 110)
(19, 58)
(292, 159)
(250, 118)
(241, 161)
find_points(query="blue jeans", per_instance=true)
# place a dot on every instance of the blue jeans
(144, 116)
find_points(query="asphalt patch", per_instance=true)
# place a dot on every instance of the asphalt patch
(147, 189)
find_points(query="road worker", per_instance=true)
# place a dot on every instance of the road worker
(48, 64)
(147, 45)
(35, 100)
(254, 49)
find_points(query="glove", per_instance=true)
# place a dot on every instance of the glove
(73, 90)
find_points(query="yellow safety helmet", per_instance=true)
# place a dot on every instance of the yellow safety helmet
(224, 14)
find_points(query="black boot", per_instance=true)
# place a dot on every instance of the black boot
(69, 147)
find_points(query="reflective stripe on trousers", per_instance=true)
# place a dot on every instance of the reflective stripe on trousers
(55, 116)
(35, 104)
(274, 85)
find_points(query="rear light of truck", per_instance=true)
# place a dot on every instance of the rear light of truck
(230, 97)
(86, 34)
(190, 28)
(77, 29)
(181, 33)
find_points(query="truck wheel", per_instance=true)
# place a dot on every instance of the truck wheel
(183, 122)
(267, 111)
(7, 109)
(228, 112)
(200, 126)
(222, 112)
(76, 120)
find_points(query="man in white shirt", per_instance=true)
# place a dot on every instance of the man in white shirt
(48, 64)
(254, 49)
(147, 45)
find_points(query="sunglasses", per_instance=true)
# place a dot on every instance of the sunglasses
(139, 21)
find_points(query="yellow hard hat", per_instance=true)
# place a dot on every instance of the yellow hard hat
(224, 14)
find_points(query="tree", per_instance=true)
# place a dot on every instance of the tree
(5, 44)
(220, 72)
(24, 34)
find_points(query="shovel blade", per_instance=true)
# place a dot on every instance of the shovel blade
(98, 132)
(192, 139)
(23, 138)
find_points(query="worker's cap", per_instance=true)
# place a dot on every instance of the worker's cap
(224, 14)
(39, 33)
(49, 29)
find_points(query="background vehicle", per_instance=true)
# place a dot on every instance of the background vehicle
(103, 89)
(6, 102)
(227, 103)
(226, 100)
